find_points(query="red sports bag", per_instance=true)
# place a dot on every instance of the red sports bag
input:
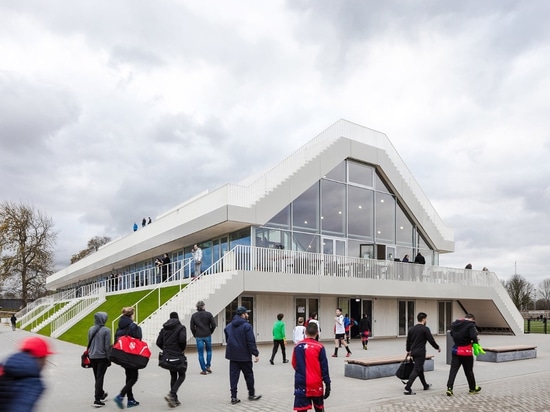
(130, 353)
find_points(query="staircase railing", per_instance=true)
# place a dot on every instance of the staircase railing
(175, 277)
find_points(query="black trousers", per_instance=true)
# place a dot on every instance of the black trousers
(467, 363)
(418, 370)
(176, 379)
(235, 369)
(131, 379)
(276, 344)
(99, 366)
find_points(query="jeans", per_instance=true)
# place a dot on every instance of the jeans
(201, 344)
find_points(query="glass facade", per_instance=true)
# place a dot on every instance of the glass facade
(353, 203)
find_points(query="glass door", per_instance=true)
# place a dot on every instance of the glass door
(334, 249)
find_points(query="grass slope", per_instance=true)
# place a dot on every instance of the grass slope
(112, 306)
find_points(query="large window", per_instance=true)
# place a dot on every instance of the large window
(281, 219)
(360, 213)
(333, 207)
(385, 218)
(360, 174)
(305, 210)
(338, 173)
(404, 228)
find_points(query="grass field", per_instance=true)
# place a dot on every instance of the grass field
(536, 326)
(112, 306)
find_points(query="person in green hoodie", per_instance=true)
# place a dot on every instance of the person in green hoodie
(279, 338)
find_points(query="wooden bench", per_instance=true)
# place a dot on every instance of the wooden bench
(507, 353)
(379, 367)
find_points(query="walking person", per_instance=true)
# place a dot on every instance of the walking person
(299, 332)
(203, 325)
(172, 340)
(13, 321)
(22, 384)
(127, 326)
(417, 338)
(310, 363)
(99, 351)
(197, 257)
(364, 328)
(315, 319)
(464, 334)
(279, 338)
(241, 346)
(340, 334)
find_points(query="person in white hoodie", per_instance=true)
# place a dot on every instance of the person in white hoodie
(299, 332)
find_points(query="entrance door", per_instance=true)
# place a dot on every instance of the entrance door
(406, 316)
(444, 317)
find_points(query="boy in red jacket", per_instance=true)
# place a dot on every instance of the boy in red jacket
(310, 363)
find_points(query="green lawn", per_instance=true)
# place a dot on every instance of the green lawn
(536, 326)
(112, 306)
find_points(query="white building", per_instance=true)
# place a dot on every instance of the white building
(320, 230)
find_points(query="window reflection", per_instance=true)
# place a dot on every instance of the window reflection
(333, 207)
(305, 210)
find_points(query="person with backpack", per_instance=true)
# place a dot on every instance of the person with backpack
(99, 349)
(21, 384)
(172, 340)
(127, 326)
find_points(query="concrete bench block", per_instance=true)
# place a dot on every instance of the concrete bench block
(507, 356)
(379, 371)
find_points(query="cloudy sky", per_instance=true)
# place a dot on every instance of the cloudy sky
(115, 110)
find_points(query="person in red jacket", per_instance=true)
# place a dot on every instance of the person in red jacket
(310, 364)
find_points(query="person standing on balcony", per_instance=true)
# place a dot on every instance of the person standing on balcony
(165, 267)
(99, 340)
(279, 338)
(143, 222)
(135, 227)
(405, 259)
(241, 347)
(419, 259)
(340, 334)
(417, 338)
(197, 257)
(203, 325)
(172, 340)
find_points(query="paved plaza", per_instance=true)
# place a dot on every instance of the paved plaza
(511, 386)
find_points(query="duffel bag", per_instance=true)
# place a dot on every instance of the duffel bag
(172, 361)
(130, 353)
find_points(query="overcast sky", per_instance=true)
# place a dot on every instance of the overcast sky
(115, 110)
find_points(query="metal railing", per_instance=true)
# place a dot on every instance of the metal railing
(28, 311)
(170, 281)
(65, 319)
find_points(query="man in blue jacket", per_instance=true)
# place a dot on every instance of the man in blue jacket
(22, 383)
(241, 346)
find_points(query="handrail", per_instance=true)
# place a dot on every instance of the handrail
(174, 276)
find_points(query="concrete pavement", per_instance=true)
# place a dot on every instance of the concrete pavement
(511, 386)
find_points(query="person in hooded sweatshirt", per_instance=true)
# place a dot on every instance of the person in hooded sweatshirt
(172, 339)
(127, 326)
(464, 334)
(241, 346)
(99, 340)
(22, 382)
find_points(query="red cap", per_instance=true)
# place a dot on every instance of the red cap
(36, 346)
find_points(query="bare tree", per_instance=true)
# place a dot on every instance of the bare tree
(93, 246)
(27, 240)
(544, 290)
(520, 291)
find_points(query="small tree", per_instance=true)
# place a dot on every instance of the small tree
(27, 240)
(93, 246)
(520, 291)
(544, 290)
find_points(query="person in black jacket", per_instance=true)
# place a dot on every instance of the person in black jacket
(241, 346)
(203, 325)
(417, 337)
(127, 326)
(364, 328)
(464, 334)
(172, 339)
